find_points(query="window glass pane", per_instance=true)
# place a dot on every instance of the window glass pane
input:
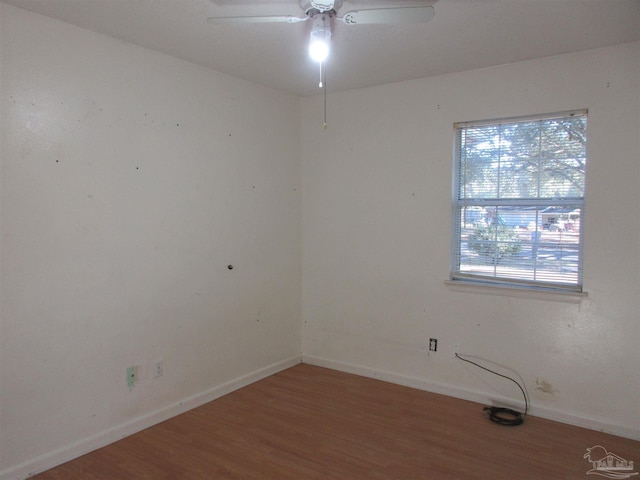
(563, 158)
(480, 148)
(520, 160)
(525, 243)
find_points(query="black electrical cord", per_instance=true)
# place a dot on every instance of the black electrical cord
(502, 415)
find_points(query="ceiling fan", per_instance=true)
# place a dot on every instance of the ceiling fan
(322, 12)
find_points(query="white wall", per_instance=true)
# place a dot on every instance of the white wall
(130, 180)
(376, 238)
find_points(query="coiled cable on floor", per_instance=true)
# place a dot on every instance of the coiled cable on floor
(502, 415)
(505, 416)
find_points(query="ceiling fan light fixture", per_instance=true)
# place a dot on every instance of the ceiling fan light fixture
(320, 37)
(319, 51)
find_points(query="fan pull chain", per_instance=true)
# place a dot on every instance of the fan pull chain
(323, 85)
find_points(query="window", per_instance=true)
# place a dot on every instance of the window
(519, 201)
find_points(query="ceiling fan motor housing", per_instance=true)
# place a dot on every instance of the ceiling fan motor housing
(311, 7)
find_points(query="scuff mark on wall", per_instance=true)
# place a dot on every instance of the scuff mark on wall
(545, 387)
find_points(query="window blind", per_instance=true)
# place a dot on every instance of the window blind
(518, 208)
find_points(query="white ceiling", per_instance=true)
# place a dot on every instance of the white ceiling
(464, 34)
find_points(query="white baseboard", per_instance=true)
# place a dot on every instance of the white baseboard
(473, 396)
(118, 432)
(101, 439)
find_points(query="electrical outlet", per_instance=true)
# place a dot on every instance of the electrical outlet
(433, 344)
(132, 376)
(456, 349)
(158, 368)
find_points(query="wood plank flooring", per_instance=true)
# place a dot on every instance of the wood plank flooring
(309, 422)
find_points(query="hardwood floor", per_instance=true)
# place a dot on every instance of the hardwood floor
(314, 423)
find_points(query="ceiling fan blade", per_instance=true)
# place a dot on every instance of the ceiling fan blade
(257, 19)
(389, 15)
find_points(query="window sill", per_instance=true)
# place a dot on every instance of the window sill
(516, 291)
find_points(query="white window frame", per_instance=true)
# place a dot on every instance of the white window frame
(457, 274)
